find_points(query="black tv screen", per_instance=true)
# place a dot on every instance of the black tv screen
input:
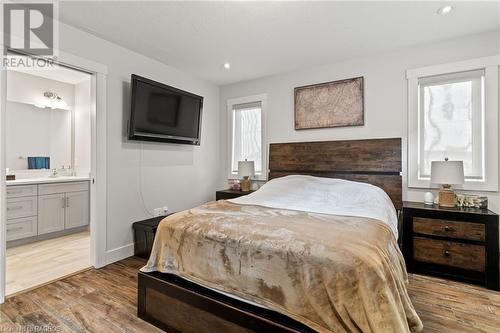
(163, 113)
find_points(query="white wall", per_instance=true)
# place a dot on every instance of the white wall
(385, 95)
(82, 127)
(178, 176)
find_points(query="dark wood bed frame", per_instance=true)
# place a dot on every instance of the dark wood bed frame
(179, 306)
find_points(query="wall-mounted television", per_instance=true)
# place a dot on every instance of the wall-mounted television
(163, 113)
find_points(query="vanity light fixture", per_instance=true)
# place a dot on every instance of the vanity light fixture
(444, 10)
(51, 100)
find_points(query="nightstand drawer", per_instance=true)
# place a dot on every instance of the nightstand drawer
(447, 228)
(465, 256)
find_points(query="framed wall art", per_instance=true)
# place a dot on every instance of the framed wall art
(331, 104)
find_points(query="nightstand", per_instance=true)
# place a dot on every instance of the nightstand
(230, 194)
(456, 243)
(144, 235)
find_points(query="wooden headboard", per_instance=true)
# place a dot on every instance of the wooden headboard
(373, 161)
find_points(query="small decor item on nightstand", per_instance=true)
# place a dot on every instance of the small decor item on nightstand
(234, 185)
(472, 201)
(447, 173)
(428, 198)
(246, 169)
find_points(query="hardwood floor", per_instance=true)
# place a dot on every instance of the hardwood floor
(447, 306)
(35, 264)
(104, 300)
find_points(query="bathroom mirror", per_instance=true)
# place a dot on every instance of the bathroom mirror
(47, 121)
(37, 132)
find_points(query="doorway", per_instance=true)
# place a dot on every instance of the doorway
(48, 149)
(80, 202)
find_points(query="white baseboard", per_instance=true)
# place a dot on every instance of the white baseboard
(119, 253)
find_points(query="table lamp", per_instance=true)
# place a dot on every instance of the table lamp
(447, 173)
(246, 169)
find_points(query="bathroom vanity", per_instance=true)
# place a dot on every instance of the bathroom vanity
(43, 208)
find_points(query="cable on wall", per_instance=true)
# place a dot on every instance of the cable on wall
(144, 206)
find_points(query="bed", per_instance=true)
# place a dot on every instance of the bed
(313, 250)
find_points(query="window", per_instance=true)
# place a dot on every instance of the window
(246, 134)
(453, 114)
(451, 122)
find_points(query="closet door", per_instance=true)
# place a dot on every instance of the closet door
(77, 209)
(51, 213)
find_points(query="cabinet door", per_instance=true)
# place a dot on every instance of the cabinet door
(51, 213)
(77, 209)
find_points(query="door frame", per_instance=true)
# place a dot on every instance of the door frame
(98, 179)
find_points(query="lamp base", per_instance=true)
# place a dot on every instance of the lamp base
(245, 184)
(447, 197)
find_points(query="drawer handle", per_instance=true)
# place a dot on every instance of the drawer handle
(14, 208)
(15, 229)
(448, 228)
(446, 253)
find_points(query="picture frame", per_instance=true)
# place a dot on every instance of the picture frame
(331, 104)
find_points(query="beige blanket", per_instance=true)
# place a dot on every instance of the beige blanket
(332, 273)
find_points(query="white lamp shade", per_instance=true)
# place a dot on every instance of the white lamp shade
(447, 172)
(246, 168)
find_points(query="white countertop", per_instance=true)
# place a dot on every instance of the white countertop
(45, 180)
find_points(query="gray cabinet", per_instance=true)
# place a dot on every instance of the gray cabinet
(21, 207)
(23, 227)
(22, 212)
(22, 191)
(62, 206)
(77, 209)
(42, 209)
(51, 213)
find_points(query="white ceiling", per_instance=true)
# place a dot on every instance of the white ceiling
(264, 38)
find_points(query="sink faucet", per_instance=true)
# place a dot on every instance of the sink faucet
(54, 173)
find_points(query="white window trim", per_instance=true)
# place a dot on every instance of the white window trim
(262, 98)
(491, 103)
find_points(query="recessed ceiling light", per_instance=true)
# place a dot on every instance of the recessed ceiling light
(444, 10)
(227, 65)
